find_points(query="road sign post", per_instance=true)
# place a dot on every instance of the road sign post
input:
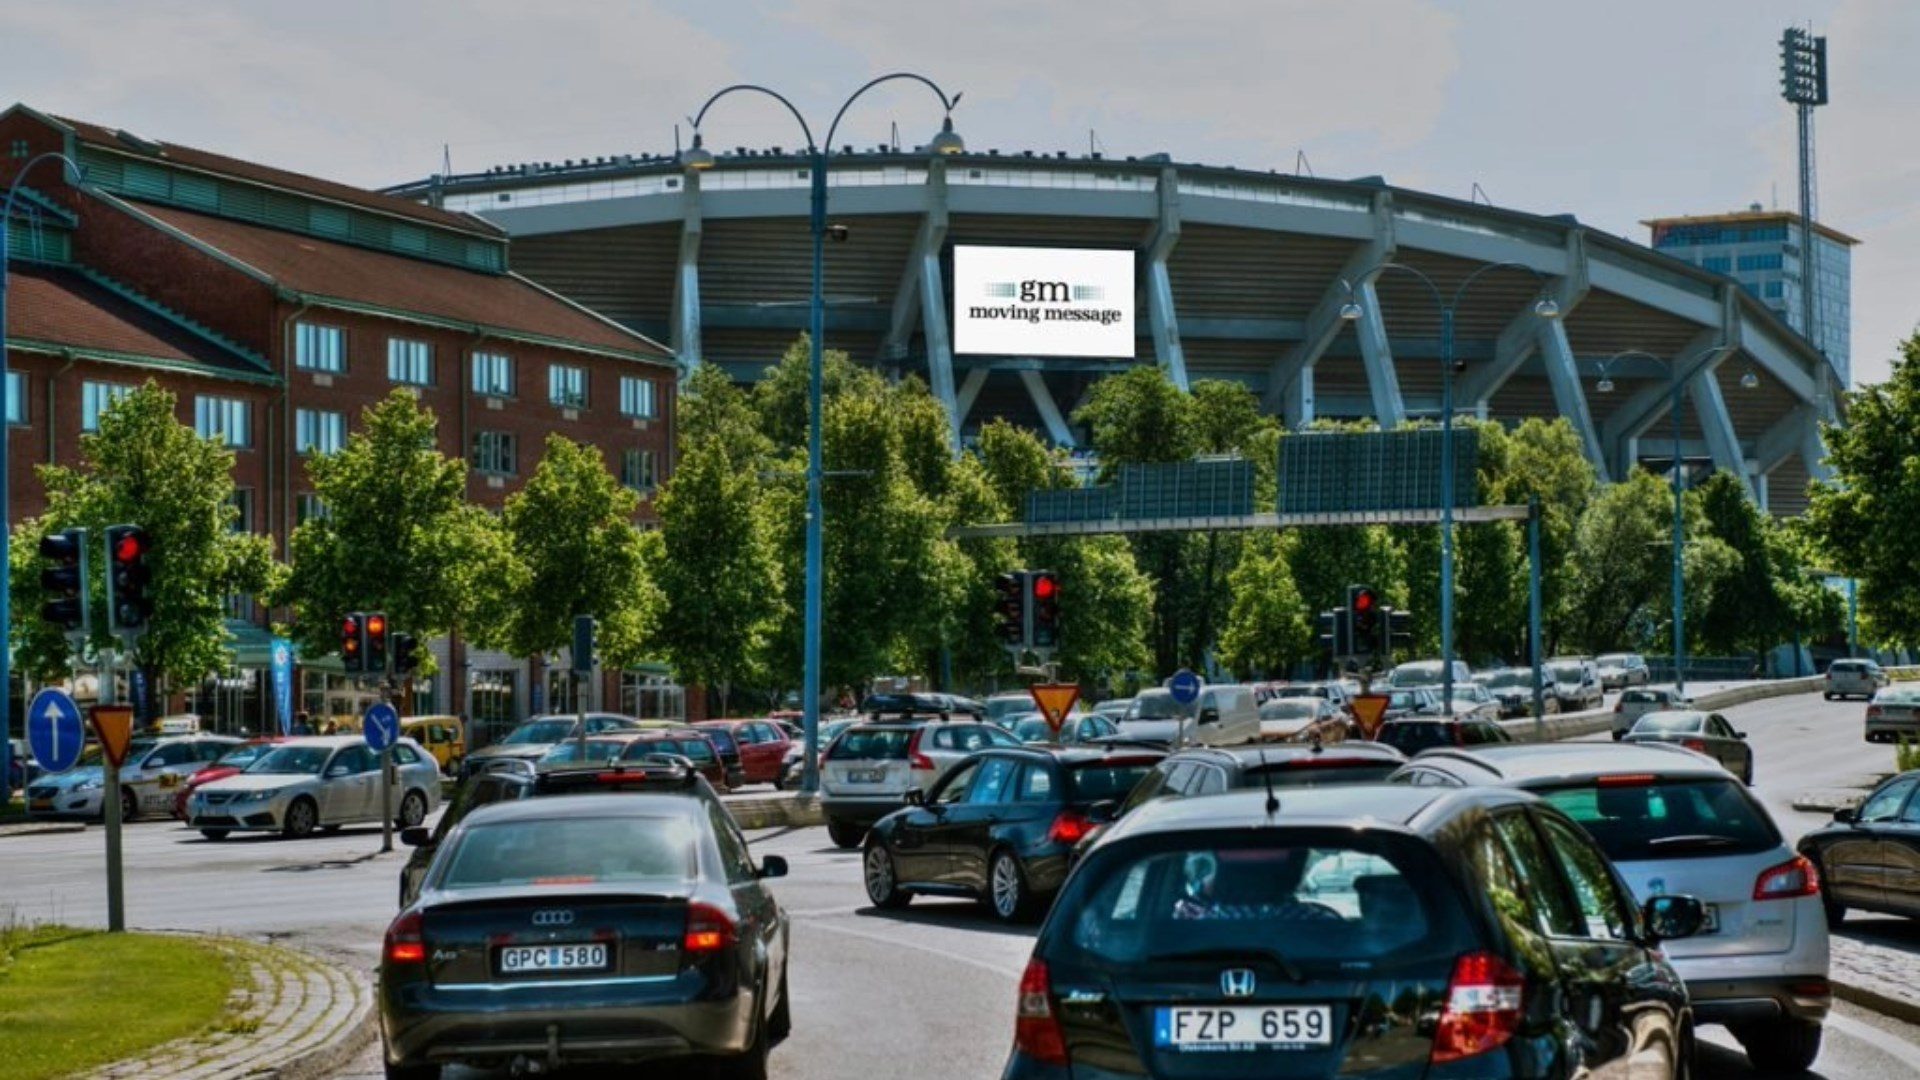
(1055, 701)
(114, 726)
(55, 732)
(380, 726)
(1184, 686)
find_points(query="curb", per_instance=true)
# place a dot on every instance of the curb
(1906, 1012)
(775, 811)
(47, 829)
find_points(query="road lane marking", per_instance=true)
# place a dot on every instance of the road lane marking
(1012, 974)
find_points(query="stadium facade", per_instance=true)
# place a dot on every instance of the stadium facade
(1226, 273)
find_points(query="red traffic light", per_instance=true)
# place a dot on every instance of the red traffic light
(1363, 601)
(1044, 587)
(129, 546)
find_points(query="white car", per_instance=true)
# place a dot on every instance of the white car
(153, 771)
(1415, 673)
(306, 784)
(1634, 704)
(1473, 701)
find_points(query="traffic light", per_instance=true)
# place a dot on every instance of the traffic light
(1399, 630)
(1044, 586)
(353, 643)
(65, 581)
(1328, 623)
(406, 654)
(128, 575)
(583, 627)
(1010, 608)
(376, 650)
(1363, 615)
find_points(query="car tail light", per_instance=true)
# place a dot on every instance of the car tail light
(404, 942)
(915, 758)
(1625, 780)
(1619, 706)
(1794, 878)
(1036, 1030)
(708, 930)
(1873, 712)
(1483, 1008)
(1698, 746)
(1070, 827)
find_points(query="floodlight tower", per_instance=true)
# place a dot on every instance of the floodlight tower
(1803, 82)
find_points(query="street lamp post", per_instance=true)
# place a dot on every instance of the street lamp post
(698, 158)
(6, 511)
(1545, 307)
(1676, 389)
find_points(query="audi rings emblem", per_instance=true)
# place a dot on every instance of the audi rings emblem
(553, 918)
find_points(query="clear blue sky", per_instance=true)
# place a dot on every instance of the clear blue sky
(1613, 111)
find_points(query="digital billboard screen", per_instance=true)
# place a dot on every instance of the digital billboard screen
(1032, 301)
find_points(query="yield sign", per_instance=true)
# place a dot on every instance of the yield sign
(1055, 701)
(114, 725)
(1368, 709)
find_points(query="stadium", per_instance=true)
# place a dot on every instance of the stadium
(1011, 282)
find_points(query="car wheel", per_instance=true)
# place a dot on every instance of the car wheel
(752, 1063)
(214, 834)
(1007, 894)
(883, 885)
(845, 834)
(413, 810)
(780, 1024)
(129, 805)
(1782, 1047)
(1829, 697)
(302, 817)
(412, 1072)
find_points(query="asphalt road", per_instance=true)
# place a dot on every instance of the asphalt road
(928, 992)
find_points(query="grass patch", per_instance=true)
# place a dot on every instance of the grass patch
(75, 999)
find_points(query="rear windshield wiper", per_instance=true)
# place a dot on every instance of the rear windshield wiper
(1693, 840)
(1241, 952)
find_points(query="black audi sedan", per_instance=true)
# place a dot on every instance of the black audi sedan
(1869, 858)
(588, 929)
(1363, 931)
(999, 826)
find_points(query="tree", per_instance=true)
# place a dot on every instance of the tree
(1863, 517)
(398, 536)
(1544, 460)
(1623, 553)
(1267, 629)
(571, 531)
(144, 467)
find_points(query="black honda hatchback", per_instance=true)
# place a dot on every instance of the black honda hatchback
(1354, 932)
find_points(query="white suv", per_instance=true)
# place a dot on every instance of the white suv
(1675, 822)
(1854, 678)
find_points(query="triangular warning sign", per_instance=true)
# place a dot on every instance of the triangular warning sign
(114, 725)
(1055, 700)
(1369, 709)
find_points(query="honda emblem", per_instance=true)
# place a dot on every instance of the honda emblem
(1237, 982)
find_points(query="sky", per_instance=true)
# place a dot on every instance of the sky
(1615, 112)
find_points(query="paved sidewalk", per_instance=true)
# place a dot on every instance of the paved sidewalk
(37, 828)
(297, 1016)
(1874, 966)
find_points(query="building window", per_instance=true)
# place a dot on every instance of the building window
(319, 348)
(242, 503)
(567, 386)
(493, 374)
(1719, 264)
(636, 470)
(239, 606)
(95, 397)
(410, 362)
(493, 452)
(226, 420)
(308, 506)
(20, 148)
(636, 397)
(1760, 262)
(318, 432)
(1775, 288)
(16, 397)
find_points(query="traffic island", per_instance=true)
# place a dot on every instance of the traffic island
(136, 1006)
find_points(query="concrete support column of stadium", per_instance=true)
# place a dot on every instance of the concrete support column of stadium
(1238, 275)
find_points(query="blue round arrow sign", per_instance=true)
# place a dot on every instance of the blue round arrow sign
(380, 726)
(1184, 686)
(54, 731)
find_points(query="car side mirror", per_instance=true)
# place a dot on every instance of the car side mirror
(416, 836)
(1846, 815)
(1669, 918)
(773, 866)
(1739, 734)
(916, 797)
(1103, 811)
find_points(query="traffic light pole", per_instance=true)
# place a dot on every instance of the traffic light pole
(386, 778)
(1533, 617)
(110, 809)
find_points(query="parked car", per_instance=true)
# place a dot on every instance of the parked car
(1672, 821)
(588, 929)
(442, 736)
(1894, 714)
(1854, 678)
(323, 781)
(1208, 770)
(154, 768)
(790, 762)
(227, 764)
(690, 746)
(1414, 734)
(1621, 670)
(1356, 931)
(999, 827)
(1302, 719)
(761, 745)
(1634, 704)
(1472, 701)
(1427, 673)
(1223, 715)
(506, 781)
(869, 770)
(1512, 690)
(1113, 708)
(1335, 693)
(1412, 701)
(1869, 858)
(1154, 717)
(535, 737)
(1701, 732)
(1001, 706)
(1576, 684)
(1078, 729)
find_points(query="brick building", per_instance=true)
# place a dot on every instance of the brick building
(277, 306)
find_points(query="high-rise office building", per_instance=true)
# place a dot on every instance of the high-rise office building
(1760, 249)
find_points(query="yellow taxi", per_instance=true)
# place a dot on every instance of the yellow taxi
(442, 736)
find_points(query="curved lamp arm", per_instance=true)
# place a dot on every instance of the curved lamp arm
(758, 89)
(946, 103)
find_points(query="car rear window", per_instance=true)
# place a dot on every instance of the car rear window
(1319, 898)
(571, 851)
(570, 752)
(1319, 772)
(539, 731)
(698, 751)
(1662, 723)
(1097, 781)
(1643, 697)
(1640, 817)
(722, 738)
(1410, 739)
(886, 744)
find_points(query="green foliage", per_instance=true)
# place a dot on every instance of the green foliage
(1906, 755)
(1864, 517)
(144, 467)
(571, 532)
(1771, 594)
(1623, 554)
(399, 536)
(1267, 629)
(1544, 460)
